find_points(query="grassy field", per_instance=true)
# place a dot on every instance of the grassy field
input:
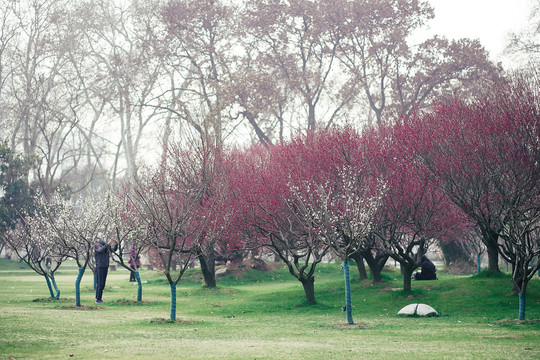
(258, 315)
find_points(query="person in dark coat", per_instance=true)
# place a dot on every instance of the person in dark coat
(428, 270)
(103, 248)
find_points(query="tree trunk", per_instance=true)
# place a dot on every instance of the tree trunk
(375, 267)
(407, 277)
(456, 260)
(489, 238)
(493, 258)
(55, 287)
(360, 265)
(173, 303)
(49, 285)
(208, 268)
(78, 287)
(348, 302)
(139, 286)
(309, 289)
(311, 117)
(522, 296)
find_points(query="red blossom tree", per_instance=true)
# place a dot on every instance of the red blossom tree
(485, 157)
(410, 219)
(451, 142)
(260, 181)
(340, 197)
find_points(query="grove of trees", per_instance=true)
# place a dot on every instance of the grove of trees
(198, 130)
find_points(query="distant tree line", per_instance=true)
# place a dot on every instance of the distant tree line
(93, 89)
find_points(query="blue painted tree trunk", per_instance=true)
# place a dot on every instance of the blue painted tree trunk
(78, 287)
(55, 287)
(479, 263)
(521, 306)
(49, 285)
(139, 286)
(348, 303)
(173, 302)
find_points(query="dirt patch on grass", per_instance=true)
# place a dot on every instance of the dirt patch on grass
(517, 322)
(168, 321)
(52, 300)
(132, 302)
(73, 307)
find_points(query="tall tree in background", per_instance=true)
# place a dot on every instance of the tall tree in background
(292, 42)
(43, 92)
(201, 42)
(525, 44)
(395, 77)
(119, 43)
(16, 195)
(87, 85)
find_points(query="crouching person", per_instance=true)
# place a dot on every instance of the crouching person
(428, 272)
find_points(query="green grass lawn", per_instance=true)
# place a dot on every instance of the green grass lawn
(263, 316)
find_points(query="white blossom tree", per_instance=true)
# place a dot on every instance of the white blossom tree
(342, 212)
(34, 244)
(75, 225)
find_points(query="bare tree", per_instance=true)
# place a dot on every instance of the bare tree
(166, 201)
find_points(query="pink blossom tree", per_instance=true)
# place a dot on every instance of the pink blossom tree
(515, 158)
(451, 143)
(215, 208)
